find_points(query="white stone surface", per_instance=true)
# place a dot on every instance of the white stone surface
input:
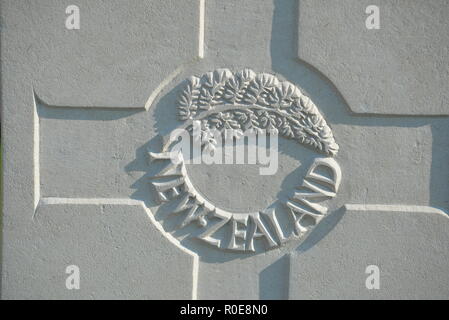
(408, 244)
(400, 68)
(82, 110)
(118, 250)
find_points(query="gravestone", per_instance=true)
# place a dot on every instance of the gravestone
(352, 203)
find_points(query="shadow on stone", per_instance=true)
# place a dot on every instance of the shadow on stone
(322, 229)
(274, 280)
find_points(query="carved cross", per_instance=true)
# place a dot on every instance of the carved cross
(392, 145)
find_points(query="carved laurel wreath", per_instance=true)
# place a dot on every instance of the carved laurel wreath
(245, 100)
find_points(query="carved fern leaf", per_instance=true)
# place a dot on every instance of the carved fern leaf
(245, 100)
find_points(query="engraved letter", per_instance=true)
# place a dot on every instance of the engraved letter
(162, 188)
(331, 164)
(258, 225)
(271, 215)
(238, 234)
(206, 235)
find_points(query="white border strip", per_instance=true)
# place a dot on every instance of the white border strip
(393, 208)
(36, 155)
(201, 29)
(87, 201)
